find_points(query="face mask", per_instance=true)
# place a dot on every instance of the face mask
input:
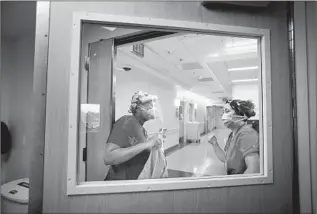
(228, 119)
(150, 112)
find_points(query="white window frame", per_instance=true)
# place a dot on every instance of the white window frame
(101, 187)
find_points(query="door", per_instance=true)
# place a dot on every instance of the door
(272, 198)
(99, 82)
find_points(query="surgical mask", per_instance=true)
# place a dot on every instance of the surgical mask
(228, 119)
(150, 111)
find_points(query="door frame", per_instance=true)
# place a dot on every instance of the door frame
(305, 76)
(74, 187)
(38, 121)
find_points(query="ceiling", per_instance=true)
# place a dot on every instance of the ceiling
(200, 63)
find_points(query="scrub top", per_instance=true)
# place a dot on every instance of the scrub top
(124, 129)
(243, 143)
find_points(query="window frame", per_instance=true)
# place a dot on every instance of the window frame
(74, 187)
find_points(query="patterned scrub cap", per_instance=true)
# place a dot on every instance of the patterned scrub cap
(140, 98)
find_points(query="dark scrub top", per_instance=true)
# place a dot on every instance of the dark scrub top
(245, 142)
(125, 127)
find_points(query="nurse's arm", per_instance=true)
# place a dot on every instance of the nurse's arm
(253, 163)
(114, 154)
(219, 152)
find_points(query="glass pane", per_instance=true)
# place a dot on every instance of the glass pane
(170, 107)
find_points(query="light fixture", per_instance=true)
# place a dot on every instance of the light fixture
(109, 28)
(243, 68)
(213, 55)
(240, 42)
(195, 106)
(241, 49)
(245, 80)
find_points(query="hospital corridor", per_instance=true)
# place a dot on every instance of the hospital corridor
(197, 159)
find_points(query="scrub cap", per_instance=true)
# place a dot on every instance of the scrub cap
(242, 108)
(140, 98)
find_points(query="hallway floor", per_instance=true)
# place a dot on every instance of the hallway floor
(197, 159)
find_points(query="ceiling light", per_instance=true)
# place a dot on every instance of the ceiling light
(120, 69)
(246, 80)
(241, 49)
(243, 68)
(109, 28)
(238, 42)
(213, 55)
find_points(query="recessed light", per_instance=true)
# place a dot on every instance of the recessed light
(109, 28)
(214, 55)
(245, 80)
(243, 68)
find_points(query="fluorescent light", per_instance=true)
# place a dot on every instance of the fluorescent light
(241, 43)
(213, 55)
(246, 80)
(241, 49)
(109, 28)
(243, 68)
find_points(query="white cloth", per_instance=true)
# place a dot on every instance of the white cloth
(156, 165)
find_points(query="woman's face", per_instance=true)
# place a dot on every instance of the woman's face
(227, 115)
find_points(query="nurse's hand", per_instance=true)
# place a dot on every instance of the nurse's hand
(162, 132)
(154, 142)
(213, 141)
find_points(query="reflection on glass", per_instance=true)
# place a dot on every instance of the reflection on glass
(90, 117)
(189, 106)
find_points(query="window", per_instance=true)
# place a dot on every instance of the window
(125, 99)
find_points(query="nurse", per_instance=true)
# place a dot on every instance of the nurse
(241, 152)
(128, 146)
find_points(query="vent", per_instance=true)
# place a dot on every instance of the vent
(191, 66)
(207, 79)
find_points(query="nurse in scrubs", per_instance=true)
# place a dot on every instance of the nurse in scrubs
(241, 152)
(128, 146)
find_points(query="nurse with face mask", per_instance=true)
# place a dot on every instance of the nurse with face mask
(241, 152)
(128, 146)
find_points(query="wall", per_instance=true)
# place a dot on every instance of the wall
(272, 198)
(247, 92)
(17, 56)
